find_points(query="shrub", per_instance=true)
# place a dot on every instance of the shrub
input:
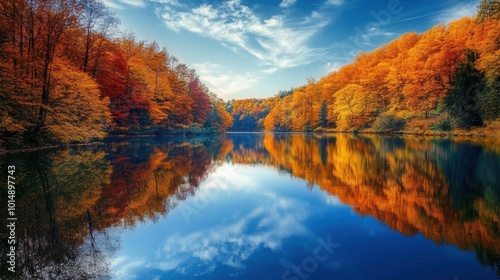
(443, 124)
(387, 123)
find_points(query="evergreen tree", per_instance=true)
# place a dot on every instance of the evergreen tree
(488, 9)
(462, 100)
(323, 122)
(490, 100)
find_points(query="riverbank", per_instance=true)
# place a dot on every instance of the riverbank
(416, 128)
(39, 148)
(421, 127)
(11, 147)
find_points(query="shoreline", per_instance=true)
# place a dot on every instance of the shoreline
(423, 134)
(34, 149)
(97, 141)
(449, 135)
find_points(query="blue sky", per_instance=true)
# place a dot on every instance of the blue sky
(244, 49)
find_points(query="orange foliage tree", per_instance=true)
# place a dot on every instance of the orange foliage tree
(148, 90)
(403, 80)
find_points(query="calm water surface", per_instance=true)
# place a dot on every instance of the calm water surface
(258, 206)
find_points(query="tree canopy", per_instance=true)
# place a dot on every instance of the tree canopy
(68, 75)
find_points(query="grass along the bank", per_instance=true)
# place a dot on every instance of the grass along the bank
(422, 126)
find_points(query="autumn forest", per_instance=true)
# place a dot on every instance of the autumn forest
(122, 162)
(68, 75)
(446, 79)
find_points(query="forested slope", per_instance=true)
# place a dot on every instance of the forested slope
(446, 79)
(68, 75)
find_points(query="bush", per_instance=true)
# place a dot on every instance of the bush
(319, 129)
(443, 124)
(387, 123)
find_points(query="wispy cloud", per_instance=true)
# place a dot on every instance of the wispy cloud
(365, 39)
(456, 12)
(174, 3)
(122, 4)
(232, 48)
(287, 3)
(334, 2)
(123, 266)
(275, 41)
(333, 66)
(223, 81)
(333, 200)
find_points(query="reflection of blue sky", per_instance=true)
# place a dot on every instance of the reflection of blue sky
(232, 244)
(239, 210)
(252, 222)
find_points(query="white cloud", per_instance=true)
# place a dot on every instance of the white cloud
(363, 39)
(122, 267)
(276, 41)
(168, 265)
(168, 2)
(234, 49)
(224, 82)
(287, 3)
(334, 2)
(333, 200)
(456, 12)
(333, 66)
(122, 4)
(112, 4)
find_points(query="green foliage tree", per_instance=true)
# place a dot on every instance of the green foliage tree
(490, 101)
(462, 100)
(488, 9)
(323, 113)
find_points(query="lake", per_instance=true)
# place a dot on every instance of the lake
(258, 206)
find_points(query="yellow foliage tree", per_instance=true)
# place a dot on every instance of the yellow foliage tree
(77, 113)
(353, 105)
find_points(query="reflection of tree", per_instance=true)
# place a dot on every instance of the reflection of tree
(248, 149)
(150, 177)
(69, 198)
(448, 191)
(54, 191)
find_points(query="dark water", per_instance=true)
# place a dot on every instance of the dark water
(258, 206)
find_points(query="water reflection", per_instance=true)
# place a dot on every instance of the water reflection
(72, 201)
(235, 241)
(448, 191)
(57, 228)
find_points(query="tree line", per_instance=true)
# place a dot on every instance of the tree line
(69, 75)
(446, 78)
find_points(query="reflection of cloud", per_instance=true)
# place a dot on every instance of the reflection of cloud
(122, 268)
(334, 200)
(231, 245)
(227, 177)
(287, 3)
(275, 41)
